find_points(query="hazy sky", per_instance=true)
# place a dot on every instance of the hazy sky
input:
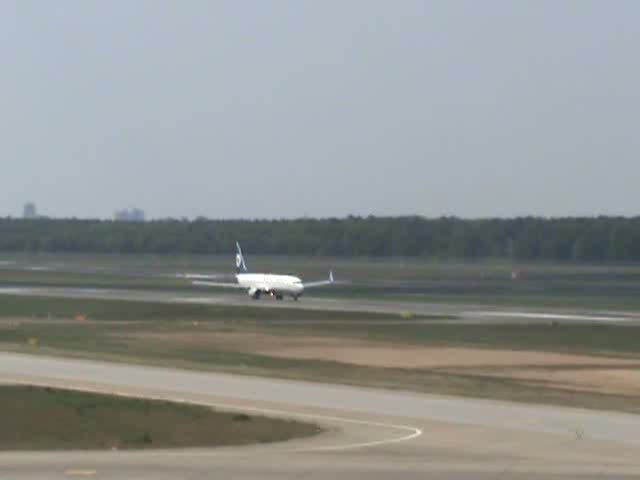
(324, 108)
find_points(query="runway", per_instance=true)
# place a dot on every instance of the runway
(370, 433)
(458, 313)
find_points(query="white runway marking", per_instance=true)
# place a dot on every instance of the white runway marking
(207, 300)
(552, 316)
(15, 290)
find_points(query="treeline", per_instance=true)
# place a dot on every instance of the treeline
(526, 238)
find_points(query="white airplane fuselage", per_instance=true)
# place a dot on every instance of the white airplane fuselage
(270, 284)
(258, 284)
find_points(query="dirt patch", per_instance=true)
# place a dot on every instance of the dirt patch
(557, 370)
(564, 371)
(378, 354)
(621, 381)
(402, 356)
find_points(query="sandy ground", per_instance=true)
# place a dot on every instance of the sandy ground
(557, 370)
(620, 381)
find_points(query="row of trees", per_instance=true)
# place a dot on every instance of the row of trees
(526, 238)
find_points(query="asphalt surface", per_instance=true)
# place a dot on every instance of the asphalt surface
(370, 433)
(458, 313)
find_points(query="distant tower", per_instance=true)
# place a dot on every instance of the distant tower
(120, 216)
(29, 211)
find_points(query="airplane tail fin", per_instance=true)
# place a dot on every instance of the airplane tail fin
(241, 266)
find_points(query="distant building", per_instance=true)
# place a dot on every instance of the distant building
(129, 215)
(30, 211)
(137, 215)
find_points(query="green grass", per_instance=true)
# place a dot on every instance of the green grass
(26, 327)
(35, 418)
(26, 278)
(122, 310)
(550, 337)
(163, 317)
(615, 286)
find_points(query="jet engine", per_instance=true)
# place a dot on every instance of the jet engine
(254, 293)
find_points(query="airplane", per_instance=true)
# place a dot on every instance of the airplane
(258, 284)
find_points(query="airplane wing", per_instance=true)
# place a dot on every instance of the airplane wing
(202, 283)
(321, 282)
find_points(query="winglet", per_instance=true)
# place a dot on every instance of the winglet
(321, 283)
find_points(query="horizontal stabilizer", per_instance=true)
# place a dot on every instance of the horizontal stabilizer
(202, 283)
(200, 276)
